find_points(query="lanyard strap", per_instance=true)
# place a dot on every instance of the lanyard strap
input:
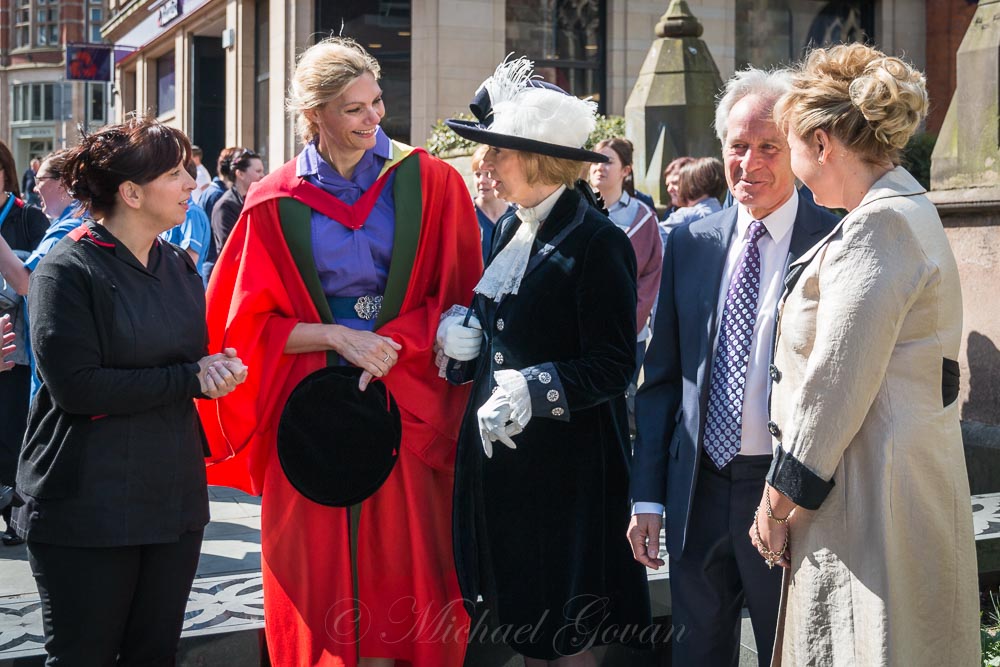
(6, 209)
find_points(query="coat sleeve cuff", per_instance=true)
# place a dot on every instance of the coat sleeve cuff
(548, 399)
(792, 478)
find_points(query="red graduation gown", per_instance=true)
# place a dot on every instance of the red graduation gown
(409, 600)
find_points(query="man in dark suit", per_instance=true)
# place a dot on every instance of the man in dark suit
(703, 446)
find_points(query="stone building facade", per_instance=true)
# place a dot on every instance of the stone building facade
(229, 61)
(42, 109)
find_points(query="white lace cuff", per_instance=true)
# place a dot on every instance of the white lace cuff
(514, 384)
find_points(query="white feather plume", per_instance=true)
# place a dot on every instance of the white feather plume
(546, 115)
(530, 112)
(509, 79)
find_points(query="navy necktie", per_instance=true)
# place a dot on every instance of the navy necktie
(724, 421)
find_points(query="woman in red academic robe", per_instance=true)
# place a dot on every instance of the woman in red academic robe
(386, 241)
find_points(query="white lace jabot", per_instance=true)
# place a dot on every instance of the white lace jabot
(504, 274)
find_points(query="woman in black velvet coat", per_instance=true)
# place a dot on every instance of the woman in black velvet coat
(537, 528)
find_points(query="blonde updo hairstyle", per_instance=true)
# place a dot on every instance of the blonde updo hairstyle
(870, 102)
(322, 73)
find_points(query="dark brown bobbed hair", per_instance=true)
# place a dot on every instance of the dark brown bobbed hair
(700, 177)
(10, 176)
(138, 150)
(623, 149)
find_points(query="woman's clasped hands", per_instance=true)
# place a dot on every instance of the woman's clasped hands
(220, 373)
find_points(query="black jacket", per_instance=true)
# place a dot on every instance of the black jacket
(224, 216)
(113, 452)
(24, 226)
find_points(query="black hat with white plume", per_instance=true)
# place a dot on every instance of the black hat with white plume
(515, 110)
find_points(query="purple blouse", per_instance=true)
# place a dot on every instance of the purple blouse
(352, 263)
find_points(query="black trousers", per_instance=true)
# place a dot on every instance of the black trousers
(114, 605)
(720, 570)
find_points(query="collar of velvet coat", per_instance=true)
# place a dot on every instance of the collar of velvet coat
(896, 183)
(560, 216)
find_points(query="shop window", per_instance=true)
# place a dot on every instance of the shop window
(773, 32)
(165, 84)
(565, 39)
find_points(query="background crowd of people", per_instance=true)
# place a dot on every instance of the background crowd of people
(775, 382)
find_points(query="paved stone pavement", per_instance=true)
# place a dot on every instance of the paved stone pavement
(226, 595)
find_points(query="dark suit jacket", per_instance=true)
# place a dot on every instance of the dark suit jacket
(671, 403)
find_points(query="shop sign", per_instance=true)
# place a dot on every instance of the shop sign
(169, 10)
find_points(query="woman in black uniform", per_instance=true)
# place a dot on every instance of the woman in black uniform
(112, 472)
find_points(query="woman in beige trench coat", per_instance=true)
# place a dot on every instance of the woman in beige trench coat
(880, 552)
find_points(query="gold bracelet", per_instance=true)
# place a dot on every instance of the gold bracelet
(770, 513)
(770, 557)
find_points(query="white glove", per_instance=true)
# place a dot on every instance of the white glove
(495, 422)
(462, 343)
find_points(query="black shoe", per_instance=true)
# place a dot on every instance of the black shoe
(11, 540)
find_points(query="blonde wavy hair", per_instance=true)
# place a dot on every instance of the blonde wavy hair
(870, 102)
(323, 72)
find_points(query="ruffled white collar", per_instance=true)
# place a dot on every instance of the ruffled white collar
(504, 274)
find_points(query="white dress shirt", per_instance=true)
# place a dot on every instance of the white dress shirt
(755, 438)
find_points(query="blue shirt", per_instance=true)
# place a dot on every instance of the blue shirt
(193, 233)
(702, 209)
(352, 263)
(68, 220)
(487, 227)
(211, 194)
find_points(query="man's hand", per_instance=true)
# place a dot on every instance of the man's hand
(644, 536)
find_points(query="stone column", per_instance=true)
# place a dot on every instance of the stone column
(965, 186)
(672, 105)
